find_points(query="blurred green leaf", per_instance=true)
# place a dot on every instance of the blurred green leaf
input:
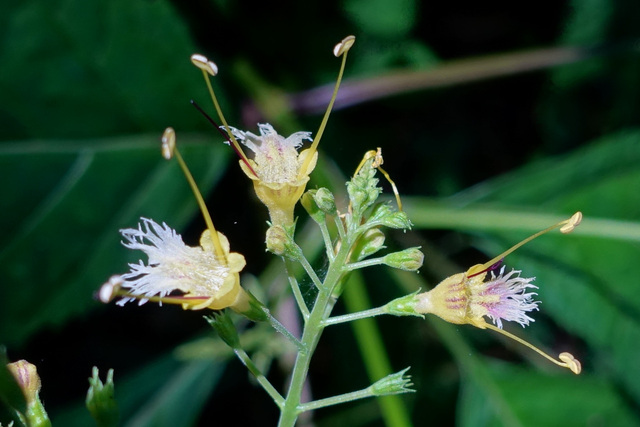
(538, 399)
(165, 392)
(382, 18)
(85, 192)
(74, 68)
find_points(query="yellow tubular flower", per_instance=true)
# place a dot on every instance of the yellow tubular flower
(278, 172)
(469, 297)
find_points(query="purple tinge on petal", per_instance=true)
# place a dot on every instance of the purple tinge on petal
(514, 302)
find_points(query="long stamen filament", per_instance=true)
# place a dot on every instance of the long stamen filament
(169, 150)
(234, 141)
(574, 367)
(566, 226)
(113, 289)
(220, 254)
(341, 48)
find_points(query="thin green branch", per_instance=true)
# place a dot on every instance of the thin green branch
(262, 380)
(350, 317)
(295, 288)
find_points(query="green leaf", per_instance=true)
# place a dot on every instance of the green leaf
(63, 241)
(165, 392)
(538, 399)
(74, 68)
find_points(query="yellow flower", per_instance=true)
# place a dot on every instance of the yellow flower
(206, 276)
(276, 169)
(279, 173)
(467, 298)
(205, 279)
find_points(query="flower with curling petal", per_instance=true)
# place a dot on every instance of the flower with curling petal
(279, 180)
(469, 297)
(279, 173)
(462, 299)
(205, 279)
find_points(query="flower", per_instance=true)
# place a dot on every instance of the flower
(279, 173)
(276, 169)
(468, 299)
(205, 279)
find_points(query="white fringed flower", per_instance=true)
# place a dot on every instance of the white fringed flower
(204, 279)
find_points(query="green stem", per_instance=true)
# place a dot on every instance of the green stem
(366, 263)
(356, 316)
(372, 350)
(262, 380)
(312, 332)
(327, 241)
(309, 269)
(295, 288)
(335, 400)
(285, 332)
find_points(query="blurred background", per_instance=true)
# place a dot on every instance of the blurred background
(494, 122)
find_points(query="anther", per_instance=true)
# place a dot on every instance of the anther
(168, 143)
(344, 45)
(110, 289)
(572, 223)
(571, 362)
(203, 63)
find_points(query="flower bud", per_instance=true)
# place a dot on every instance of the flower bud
(409, 259)
(26, 376)
(325, 200)
(393, 384)
(280, 242)
(370, 242)
(100, 400)
(221, 322)
(309, 203)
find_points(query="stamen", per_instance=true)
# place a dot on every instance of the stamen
(376, 164)
(566, 226)
(224, 135)
(168, 143)
(110, 289)
(204, 64)
(340, 49)
(567, 359)
(169, 135)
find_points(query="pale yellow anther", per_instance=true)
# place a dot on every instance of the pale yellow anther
(168, 143)
(110, 289)
(571, 362)
(572, 223)
(204, 64)
(344, 45)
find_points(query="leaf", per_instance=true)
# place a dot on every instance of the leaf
(541, 399)
(63, 242)
(165, 392)
(73, 68)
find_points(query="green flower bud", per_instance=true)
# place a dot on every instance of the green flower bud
(393, 384)
(325, 201)
(222, 323)
(397, 220)
(279, 241)
(404, 306)
(409, 259)
(100, 400)
(309, 203)
(369, 243)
